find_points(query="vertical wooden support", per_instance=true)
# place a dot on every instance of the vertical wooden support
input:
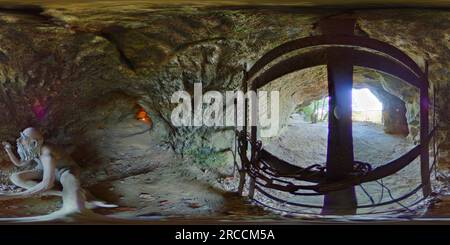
(251, 187)
(340, 158)
(424, 141)
(254, 115)
(434, 127)
(242, 172)
(242, 176)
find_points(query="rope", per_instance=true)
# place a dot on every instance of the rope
(367, 194)
(304, 213)
(395, 200)
(382, 192)
(284, 201)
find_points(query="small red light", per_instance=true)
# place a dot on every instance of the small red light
(142, 115)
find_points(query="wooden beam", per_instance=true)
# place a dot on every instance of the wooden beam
(340, 156)
(424, 141)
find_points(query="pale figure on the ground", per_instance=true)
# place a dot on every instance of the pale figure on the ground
(53, 165)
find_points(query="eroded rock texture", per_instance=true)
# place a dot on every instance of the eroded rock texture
(82, 72)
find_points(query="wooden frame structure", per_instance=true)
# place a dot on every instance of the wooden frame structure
(340, 50)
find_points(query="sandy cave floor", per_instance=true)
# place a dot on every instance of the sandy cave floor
(181, 189)
(371, 145)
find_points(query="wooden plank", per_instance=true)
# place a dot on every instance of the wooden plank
(340, 156)
(242, 173)
(425, 155)
(338, 39)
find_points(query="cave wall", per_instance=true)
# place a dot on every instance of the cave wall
(80, 72)
(393, 113)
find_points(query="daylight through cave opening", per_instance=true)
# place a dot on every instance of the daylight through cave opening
(366, 107)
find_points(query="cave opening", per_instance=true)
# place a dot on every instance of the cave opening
(366, 107)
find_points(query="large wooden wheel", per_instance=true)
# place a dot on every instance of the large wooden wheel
(340, 50)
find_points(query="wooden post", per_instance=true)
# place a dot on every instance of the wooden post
(242, 174)
(251, 187)
(254, 114)
(340, 158)
(424, 130)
